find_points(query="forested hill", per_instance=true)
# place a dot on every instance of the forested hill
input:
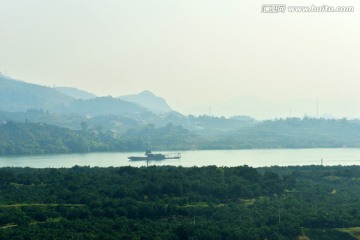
(30, 138)
(310, 132)
(39, 138)
(290, 133)
(36, 138)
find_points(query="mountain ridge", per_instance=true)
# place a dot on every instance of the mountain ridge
(16, 95)
(76, 93)
(20, 96)
(150, 101)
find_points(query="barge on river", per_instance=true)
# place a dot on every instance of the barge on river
(155, 156)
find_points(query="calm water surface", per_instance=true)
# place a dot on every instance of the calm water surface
(255, 158)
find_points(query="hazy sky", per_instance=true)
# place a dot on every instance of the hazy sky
(195, 53)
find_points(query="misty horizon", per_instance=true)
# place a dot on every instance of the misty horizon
(258, 108)
(227, 56)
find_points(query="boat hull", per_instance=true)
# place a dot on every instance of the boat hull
(154, 157)
(133, 158)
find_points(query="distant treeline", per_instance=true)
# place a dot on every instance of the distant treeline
(289, 133)
(36, 138)
(41, 138)
(279, 133)
(166, 202)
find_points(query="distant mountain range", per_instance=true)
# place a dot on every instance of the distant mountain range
(149, 101)
(76, 93)
(103, 106)
(69, 107)
(18, 96)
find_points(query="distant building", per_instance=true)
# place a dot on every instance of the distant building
(112, 133)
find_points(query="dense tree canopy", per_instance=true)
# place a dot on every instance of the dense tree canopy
(179, 203)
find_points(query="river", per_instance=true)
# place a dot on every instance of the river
(229, 158)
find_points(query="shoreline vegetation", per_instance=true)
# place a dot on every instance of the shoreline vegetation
(166, 202)
(25, 138)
